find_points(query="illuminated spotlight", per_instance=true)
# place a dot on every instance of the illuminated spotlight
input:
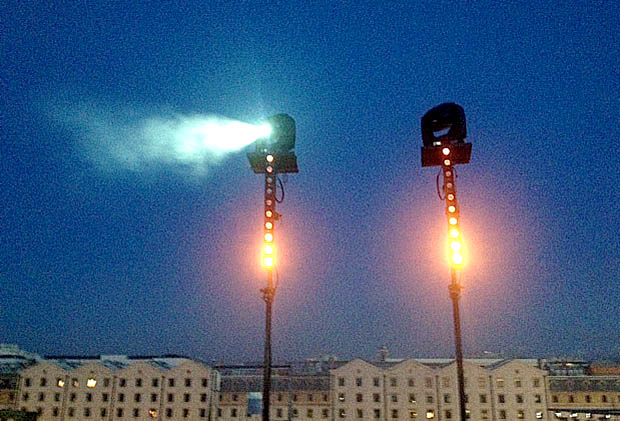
(268, 261)
(268, 214)
(263, 130)
(269, 158)
(457, 259)
(451, 208)
(452, 221)
(446, 162)
(456, 246)
(445, 151)
(450, 196)
(454, 233)
(448, 173)
(269, 237)
(268, 249)
(269, 225)
(449, 185)
(269, 169)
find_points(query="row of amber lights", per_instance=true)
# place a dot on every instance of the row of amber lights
(270, 212)
(452, 211)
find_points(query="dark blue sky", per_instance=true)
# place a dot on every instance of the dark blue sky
(156, 260)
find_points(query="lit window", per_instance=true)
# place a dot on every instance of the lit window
(60, 383)
(153, 413)
(91, 382)
(430, 414)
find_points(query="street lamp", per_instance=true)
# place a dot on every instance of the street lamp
(443, 134)
(273, 155)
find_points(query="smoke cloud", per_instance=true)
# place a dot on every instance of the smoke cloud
(136, 141)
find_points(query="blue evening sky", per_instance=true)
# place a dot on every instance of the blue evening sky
(97, 257)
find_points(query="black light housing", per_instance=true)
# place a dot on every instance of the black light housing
(280, 143)
(444, 125)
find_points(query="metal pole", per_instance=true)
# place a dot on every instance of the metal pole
(268, 295)
(455, 293)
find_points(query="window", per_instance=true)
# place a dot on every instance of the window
(152, 413)
(554, 398)
(155, 382)
(72, 397)
(136, 412)
(137, 397)
(89, 397)
(170, 397)
(185, 412)
(60, 382)
(186, 397)
(342, 413)
(588, 398)
(430, 414)
(106, 382)
(393, 381)
(122, 382)
(358, 382)
(153, 397)
(235, 397)
(121, 397)
(341, 397)
(41, 396)
(169, 412)
(571, 398)
(279, 397)
(410, 382)
(310, 413)
(203, 397)
(536, 382)
(219, 412)
(376, 397)
(341, 381)
(75, 382)
(377, 413)
(358, 397)
(325, 397)
(520, 414)
(445, 381)
(517, 382)
(119, 412)
(500, 382)
(279, 412)
(411, 398)
(310, 397)
(295, 413)
(360, 413)
(103, 412)
(446, 398)
(429, 398)
(43, 382)
(138, 382)
(428, 382)
(294, 397)
(502, 414)
(448, 414)
(56, 397)
(188, 382)
(325, 413)
(170, 382)
(394, 413)
(205, 382)
(27, 382)
(25, 397)
(501, 398)
(604, 398)
(413, 414)
(538, 398)
(481, 383)
(483, 398)
(394, 398)
(539, 415)
(375, 381)
(519, 398)
(233, 412)
(55, 411)
(104, 397)
(485, 414)
(71, 412)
